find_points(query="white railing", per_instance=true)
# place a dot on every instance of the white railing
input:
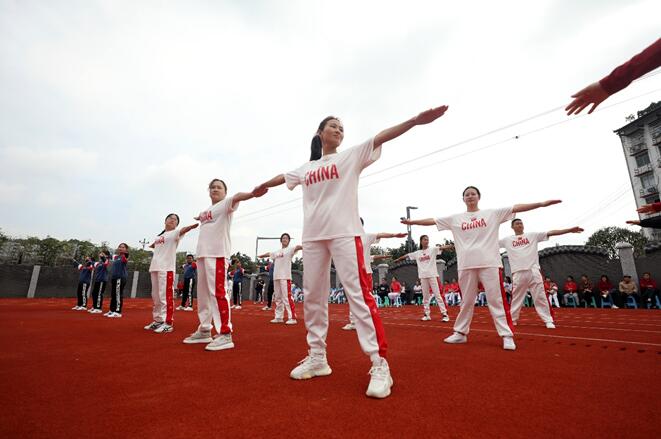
(643, 169)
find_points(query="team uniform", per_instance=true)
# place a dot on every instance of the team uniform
(429, 280)
(100, 281)
(190, 278)
(527, 273)
(368, 239)
(119, 276)
(213, 251)
(237, 284)
(161, 270)
(84, 281)
(478, 260)
(282, 286)
(332, 229)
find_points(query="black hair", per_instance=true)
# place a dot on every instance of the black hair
(603, 275)
(218, 179)
(423, 236)
(106, 252)
(514, 220)
(190, 255)
(285, 234)
(166, 217)
(508, 279)
(315, 145)
(570, 277)
(472, 187)
(362, 223)
(127, 248)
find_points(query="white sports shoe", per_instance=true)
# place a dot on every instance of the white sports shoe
(425, 318)
(188, 308)
(349, 327)
(445, 318)
(222, 341)
(109, 314)
(276, 320)
(381, 381)
(116, 315)
(550, 325)
(164, 328)
(75, 308)
(456, 338)
(153, 325)
(237, 307)
(508, 344)
(266, 308)
(314, 365)
(199, 337)
(179, 308)
(95, 311)
(291, 322)
(515, 322)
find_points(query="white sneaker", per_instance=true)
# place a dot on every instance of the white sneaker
(314, 365)
(425, 318)
(232, 307)
(349, 327)
(179, 308)
(265, 308)
(110, 314)
(456, 338)
(515, 322)
(199, 337)
(276, 320)
(291, 322)
(95, 311)
(445, 318)
(222, 341)
(550, 325)
(381, 381)
(508, 344)
(116, 315)
(153, 325)
(163, 328)
(188, 308)
(615, 307)
(237, 307)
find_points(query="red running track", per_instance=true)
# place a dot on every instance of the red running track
(67, 374)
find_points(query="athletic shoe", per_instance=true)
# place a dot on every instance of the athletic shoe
(381, 381)
(515, 322)
(153, 325)
(95, 311)
(314, 365)
(188, 308)
(425, 318)
(179, 308)
(349, 327)
(550, 325)
(508, 344)
(109, 314)
(199, 337)
(615, 307)
(291, 322)
(265, 308)
(116, 315)
(276, 320)
(237, 307)
(163, 328)
(456, 338)
(445, 318)
(268, 308)
(222, 341)
(75, 308)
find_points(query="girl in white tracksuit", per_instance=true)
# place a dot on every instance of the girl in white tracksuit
(162, 270)
(282, 280)
(475, 235)
(213, 253)
(332, 229)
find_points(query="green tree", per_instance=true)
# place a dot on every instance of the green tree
(297, 264)
(246, 262)
(607, 237)
(400, 251)
(139, 260)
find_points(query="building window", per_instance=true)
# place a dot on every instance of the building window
(652, 199)
(647, 180)
(642, 160)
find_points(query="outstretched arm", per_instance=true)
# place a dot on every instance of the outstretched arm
(265, 255)
(564, 231)
(390, 235)
(420, 222)
(532, 206)
(187, 229)
(297, 248)
(275, 181)
(401, 258)
(445, 246)
(650, 208)
(243, 196)
(421, 119)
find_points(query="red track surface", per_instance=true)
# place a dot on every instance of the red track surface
(71, 374)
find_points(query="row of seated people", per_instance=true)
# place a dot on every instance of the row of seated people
(604, 293)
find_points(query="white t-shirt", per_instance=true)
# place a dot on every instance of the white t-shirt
(368, 239)
(282, 260)
(522, 250)
(330, 192)
(476, 236)
(426, 261)
(165, 251)
(214, 238)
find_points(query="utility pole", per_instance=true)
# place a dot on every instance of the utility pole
(409, 239)
(144, 242)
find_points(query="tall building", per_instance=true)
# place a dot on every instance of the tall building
(641, 143)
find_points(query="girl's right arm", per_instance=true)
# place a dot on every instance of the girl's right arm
(420, 222)
(275, 181)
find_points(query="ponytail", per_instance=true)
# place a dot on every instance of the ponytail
(168, 216)
(315, 146)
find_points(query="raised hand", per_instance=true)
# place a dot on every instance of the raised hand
(550, 202)
(576, 230)
(408, 222)
(430, 115)
(634, 222)
(401, 235)
(592, 94)
(646, 208)
(260, 190)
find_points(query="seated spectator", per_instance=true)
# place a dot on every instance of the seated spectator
(447, 292)
(383, 289)
(648, 291)
(570, 289)
(406, 294)
(605, 290)
(457, 291)
(628, 289)
(507, 285)
(585, 292)
(551, 289)
(481, 298)
(417, 292)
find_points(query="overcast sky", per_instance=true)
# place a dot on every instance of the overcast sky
(113, 114)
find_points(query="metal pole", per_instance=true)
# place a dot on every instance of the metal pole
(409, 239)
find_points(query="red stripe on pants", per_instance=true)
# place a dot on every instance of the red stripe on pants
(506, 304)
(169, 298)
(440, 292)
(291, 300)
(221, 297)
(366, 287)
(548, 299)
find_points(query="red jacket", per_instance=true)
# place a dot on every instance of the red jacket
(570, 287)
(646, 61)
(650, 283)
(604, 286)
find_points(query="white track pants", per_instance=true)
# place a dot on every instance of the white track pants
(432, 283)
(213, 299)
(530, 280)
(162, 296)
(491, 278)
(283, 299)
(347, 254)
